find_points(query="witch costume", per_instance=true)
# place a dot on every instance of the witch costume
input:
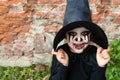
(81, 66)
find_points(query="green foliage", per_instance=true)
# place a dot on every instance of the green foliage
(113, 69)
(23, 73)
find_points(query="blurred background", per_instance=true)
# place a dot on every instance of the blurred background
(27, 30)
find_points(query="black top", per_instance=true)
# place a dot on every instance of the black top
(81, 66)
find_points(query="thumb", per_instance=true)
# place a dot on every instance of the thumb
(108, 49)
(99, 50)
(53, 52)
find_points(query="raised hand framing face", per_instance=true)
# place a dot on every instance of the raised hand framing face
(61, 56)
(102, 56)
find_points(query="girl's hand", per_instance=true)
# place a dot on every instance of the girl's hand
(102, 56)
(61, 56)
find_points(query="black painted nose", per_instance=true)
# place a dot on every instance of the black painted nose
(78, 39)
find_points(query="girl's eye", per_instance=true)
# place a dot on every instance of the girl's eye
(85, 33)
(72, 33)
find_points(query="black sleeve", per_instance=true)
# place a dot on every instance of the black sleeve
(58, 71)
(98, 73)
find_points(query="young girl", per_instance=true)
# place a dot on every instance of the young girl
(84, 56)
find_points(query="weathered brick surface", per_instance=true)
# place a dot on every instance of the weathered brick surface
(28, 27)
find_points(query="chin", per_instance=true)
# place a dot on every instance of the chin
(77, 51)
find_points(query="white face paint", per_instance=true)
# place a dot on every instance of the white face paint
(78, 39)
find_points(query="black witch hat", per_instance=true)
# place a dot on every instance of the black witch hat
(78, 14)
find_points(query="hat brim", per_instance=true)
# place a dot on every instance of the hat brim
(99, 37)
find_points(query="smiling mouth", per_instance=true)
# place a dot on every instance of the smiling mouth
(78, 46)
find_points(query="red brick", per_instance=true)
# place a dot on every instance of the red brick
(51, 28)
(57, 1)
(106, 2)
(52, 6)
(3, 9)
(14, 19)
(42, 1)
(17, 30)
(116, 2)
(51, 1)
(17, 1)
(116, 20)
(21, 29)
(96, 16)
(10, 2)
(2, 21)
(3, 29)
(93, 1)
(1, 36)
(27, 8)
(43, 14)
(8, 37)
(101, 8)
(18, 16)
(31, 1)
(25, 28)
(4, 3)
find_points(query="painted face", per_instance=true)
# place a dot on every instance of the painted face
(78, 39)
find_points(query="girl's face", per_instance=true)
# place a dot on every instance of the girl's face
(78, 39)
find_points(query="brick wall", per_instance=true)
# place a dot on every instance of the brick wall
(28, 27)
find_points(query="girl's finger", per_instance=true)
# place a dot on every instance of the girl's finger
(53, 52)
(99, 50)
